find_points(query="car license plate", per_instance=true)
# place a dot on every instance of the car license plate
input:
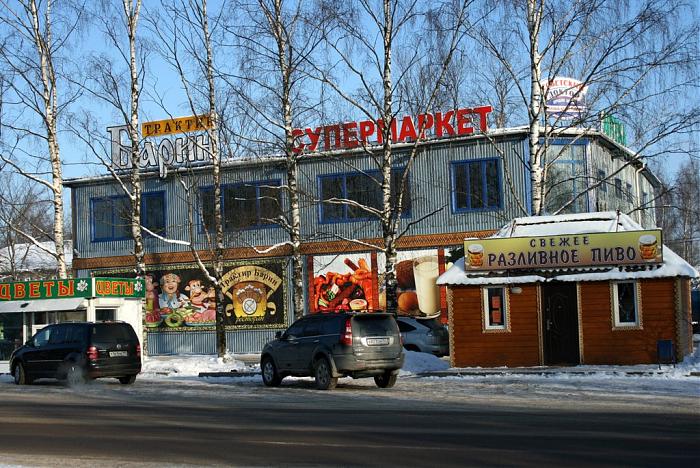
(118, 353)
(377, 341)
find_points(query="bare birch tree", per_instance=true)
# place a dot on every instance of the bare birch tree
(186, 44)
(631, 58)
(114, 77)
(31, 69)
(276, 41)
(379, 96)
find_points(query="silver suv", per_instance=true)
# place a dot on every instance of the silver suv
(329, 346)
(424, 335)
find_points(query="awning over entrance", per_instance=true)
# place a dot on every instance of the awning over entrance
(49, 305)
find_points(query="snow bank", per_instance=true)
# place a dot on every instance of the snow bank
(422, 362)
(190, 366)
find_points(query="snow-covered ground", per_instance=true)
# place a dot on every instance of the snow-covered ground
(682, 379)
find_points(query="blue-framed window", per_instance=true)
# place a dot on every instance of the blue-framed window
(363, 188)
(630, 194)
(601, 177)
(111, 216)
(618, 187)
(476, 185)
(153, 212)
(243, 205)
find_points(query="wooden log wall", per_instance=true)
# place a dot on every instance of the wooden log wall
(604, 344)
(471, 346)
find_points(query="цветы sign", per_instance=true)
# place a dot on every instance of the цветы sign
(566, 250)
(71, 287)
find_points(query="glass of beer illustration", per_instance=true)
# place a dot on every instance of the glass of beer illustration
(648, 246)
(475, 255)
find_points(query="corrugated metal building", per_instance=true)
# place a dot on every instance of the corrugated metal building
(458, 187)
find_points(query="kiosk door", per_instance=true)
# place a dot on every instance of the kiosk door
(560, 324)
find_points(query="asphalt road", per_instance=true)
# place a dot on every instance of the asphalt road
(242, 423)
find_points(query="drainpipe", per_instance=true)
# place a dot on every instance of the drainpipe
(639, 195)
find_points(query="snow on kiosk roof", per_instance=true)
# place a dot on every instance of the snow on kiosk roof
(573, 224)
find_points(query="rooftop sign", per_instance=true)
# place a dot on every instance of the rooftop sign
(564, 251)
(565, 97)
(165, 152)
(71, 287)
(349, 135)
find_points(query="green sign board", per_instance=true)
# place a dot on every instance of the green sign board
(615, 129)
(71, 287)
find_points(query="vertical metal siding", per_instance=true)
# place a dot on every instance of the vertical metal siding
(238, 342)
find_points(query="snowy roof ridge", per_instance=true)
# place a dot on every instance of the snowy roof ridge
(29, 257)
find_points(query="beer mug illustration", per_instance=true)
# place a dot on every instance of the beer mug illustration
(648, 247)
(475, 255)
(249, 299)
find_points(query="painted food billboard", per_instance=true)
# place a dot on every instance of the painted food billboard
(356, 282)
(416, 276)
(343, 282)
(180, 297)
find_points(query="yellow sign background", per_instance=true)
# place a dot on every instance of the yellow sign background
(566, 250)
(178, 125)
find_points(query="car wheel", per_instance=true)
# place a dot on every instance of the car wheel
(20, 375)
(324, 376)
(386, 380)
(127, 379)
(269, 372)
(75, 375)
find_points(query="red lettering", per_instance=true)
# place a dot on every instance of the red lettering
(5, 292)
(48, 288)
(366, 130)
(350, 135)
(443, 125)
(65, 288)
(297, 145)
(483, 111)
(314, 136)
(127, 288)
(34, 289)
(393, 130)
(327, 136)
(20, 291)
(425, 121)
(464, 122)
(408, 130)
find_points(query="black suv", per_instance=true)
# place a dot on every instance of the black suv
(77, 352)
(328, 346)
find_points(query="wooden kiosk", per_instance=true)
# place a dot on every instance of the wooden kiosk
(591, 288)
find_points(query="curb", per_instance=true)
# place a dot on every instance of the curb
(228, 374)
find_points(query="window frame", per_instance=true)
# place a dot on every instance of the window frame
(144, 197)
(485, 310)
(343, 176)
(603, 179)
(144, 221)
(93, 224)
(256, 184)
(615, 309)
(454, 165)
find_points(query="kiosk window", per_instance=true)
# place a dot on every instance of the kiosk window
(495, 308)
(625, 304)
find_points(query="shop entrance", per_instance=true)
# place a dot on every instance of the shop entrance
(560, 324)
